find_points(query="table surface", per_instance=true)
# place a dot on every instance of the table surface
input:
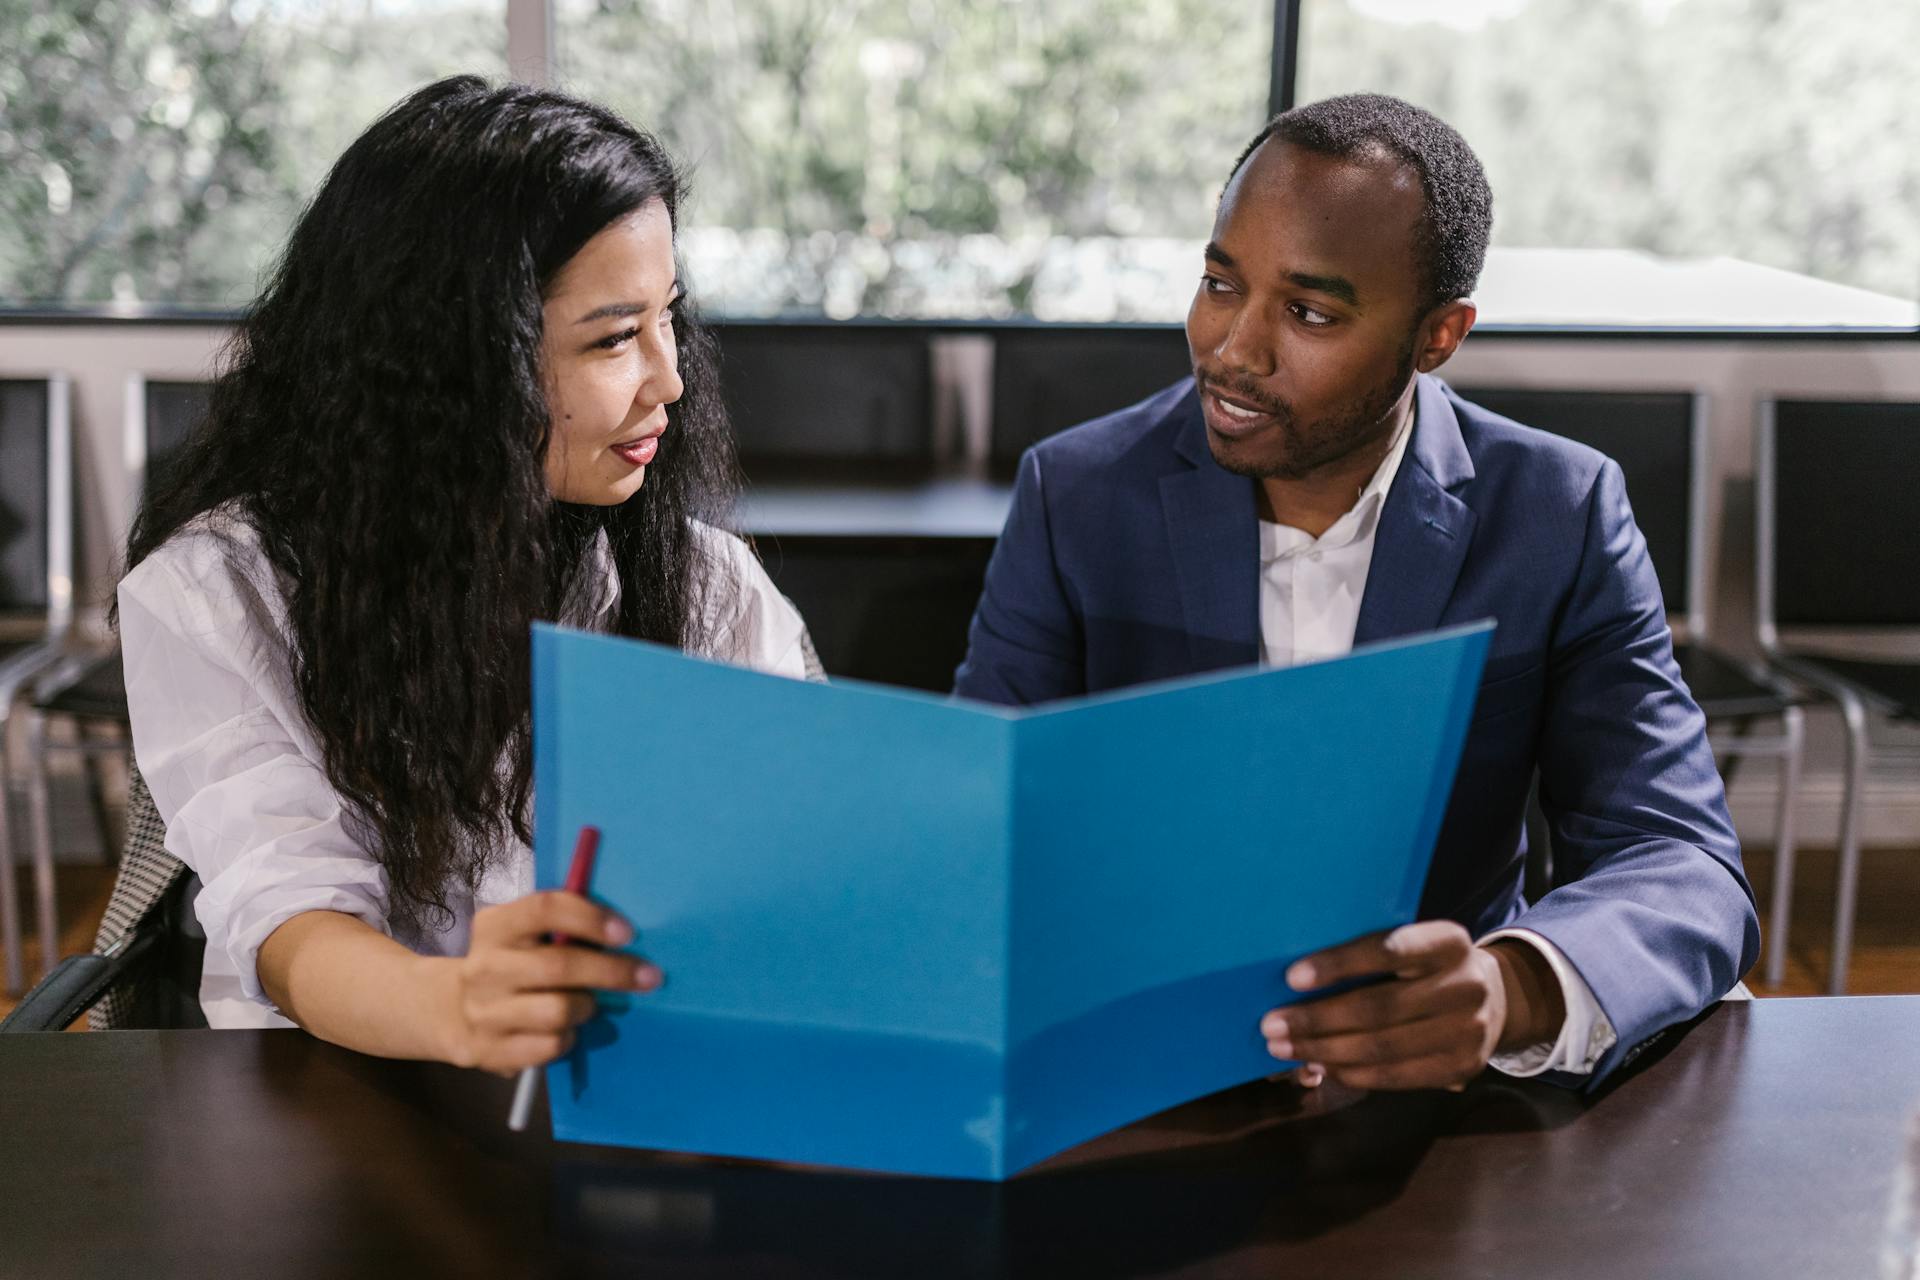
(1763, 1142)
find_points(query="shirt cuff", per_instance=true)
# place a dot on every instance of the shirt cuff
(1585, 1035)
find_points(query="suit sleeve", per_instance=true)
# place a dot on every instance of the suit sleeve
(1026, 643)
(1657, 915)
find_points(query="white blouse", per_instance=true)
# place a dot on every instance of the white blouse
(237, 774)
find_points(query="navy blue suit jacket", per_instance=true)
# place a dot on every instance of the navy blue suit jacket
(1131, 555)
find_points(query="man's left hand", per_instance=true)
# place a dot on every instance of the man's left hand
(1445, 1008)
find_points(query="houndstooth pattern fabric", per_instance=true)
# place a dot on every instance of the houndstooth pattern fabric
(147, 871)
(816, 670)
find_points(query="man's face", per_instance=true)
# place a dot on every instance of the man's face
(1304, 330)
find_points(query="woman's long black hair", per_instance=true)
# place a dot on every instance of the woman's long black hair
(381, 419)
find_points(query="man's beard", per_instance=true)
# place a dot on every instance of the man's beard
(1312, 446)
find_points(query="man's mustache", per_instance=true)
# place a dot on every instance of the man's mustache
(1242, 390)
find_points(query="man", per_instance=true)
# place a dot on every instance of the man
(1312, 487)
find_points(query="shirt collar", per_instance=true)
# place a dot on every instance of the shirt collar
(1278, 541)
(594, 591)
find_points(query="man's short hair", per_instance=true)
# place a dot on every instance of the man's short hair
(1452, 244)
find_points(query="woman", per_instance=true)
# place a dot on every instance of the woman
(469, 398)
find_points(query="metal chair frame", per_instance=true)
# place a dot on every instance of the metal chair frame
(64, 673)
(69, 665)
(1691, 626)
(1788, 746)
(1853, 702)
(19, 672)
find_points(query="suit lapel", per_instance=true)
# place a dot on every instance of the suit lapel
(1424, 530)
(1214, 533)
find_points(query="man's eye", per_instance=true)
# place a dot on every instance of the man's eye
(1311, 318)
(1214, 284)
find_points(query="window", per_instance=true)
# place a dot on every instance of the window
(158, 150)
(1746, 163)
(1711, 163)
(937, 158)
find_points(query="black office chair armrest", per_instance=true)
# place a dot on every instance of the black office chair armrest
(73, 987)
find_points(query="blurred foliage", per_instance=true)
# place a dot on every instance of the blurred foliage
(126, 150)
(966, 157)
(1775, 131)
(871, 134)
(158, 150)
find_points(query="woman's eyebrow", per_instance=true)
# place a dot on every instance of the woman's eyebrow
(613, 309)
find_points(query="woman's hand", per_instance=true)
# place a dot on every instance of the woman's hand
(515, 999)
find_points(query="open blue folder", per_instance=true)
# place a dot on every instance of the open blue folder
(921, 935)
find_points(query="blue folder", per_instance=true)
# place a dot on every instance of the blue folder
(923, 935)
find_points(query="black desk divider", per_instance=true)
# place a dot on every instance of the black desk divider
(889, 609)
(1051, 377)
(1650, 434)
(829, 400)
(25, 404)
(1846, 532)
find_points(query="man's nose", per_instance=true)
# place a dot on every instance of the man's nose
(1248, 346)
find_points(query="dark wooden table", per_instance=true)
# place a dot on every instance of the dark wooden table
(1761, 1143)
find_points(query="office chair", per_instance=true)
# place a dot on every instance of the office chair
(1659, 439)
(36, 584)
(85, 687)
(1047, 378)
(144, 970)
(1837, 558)
(808, 401)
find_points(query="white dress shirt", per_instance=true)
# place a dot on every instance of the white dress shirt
(1310, 592)
(237, 774)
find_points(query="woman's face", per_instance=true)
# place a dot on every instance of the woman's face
(610, 361)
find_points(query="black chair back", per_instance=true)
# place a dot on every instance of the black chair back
(26, 407)
(829, 400)
(1653, 436)
(1048, 378)
(1845, 529)
(173, 409)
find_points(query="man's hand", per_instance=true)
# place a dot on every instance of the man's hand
(1445, 1008)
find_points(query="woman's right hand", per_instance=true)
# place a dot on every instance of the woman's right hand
(517, 998)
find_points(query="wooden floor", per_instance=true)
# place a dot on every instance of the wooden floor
(1886, 954)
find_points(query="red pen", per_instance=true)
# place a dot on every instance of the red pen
(579, 876)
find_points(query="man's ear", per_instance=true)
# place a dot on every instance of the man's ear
(1442, 332)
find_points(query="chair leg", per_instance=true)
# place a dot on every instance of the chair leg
(9, 886)
(40, 816)
(1786, 813)
(1847, 880)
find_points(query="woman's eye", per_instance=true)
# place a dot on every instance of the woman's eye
(618, 340)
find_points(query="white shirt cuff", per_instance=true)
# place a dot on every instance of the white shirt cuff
(1585, 1036)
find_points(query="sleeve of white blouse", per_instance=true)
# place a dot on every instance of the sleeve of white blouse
(233, 770)
(756, 626)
